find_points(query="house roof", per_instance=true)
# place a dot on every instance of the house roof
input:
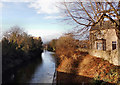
(103, 25)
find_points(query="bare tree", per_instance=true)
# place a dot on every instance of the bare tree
(90, 13)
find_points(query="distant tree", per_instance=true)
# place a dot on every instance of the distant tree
(52, 45)
(66, 45)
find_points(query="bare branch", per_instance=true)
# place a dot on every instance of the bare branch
(113, 9)
(87, 12)
(93, 10)
(73, 17)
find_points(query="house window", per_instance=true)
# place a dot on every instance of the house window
(104, 45)
(114, 45)
(99, 46)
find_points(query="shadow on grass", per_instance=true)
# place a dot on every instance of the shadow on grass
(67, 78)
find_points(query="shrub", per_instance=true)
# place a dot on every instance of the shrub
(66, 46)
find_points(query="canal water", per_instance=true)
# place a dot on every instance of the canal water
(40, 71)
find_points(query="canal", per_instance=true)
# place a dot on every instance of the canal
(40, 70)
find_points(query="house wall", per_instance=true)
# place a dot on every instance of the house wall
(92, 39)
(119, 49)
(119, 53)
(110, 36)
(113, 56)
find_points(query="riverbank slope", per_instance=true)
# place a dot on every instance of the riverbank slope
(88, 66)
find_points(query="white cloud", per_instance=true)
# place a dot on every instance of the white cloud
(1, 4)
(43, 32)
(17, 0)
(42, 6)
(45, 6)
(53, 17)
(46, 34)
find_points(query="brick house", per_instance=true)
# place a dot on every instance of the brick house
(105, 41)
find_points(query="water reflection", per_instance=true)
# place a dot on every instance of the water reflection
(45, 72)
(39, 71)
(24, 74)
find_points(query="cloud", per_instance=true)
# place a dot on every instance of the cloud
(17, 0)
(45, 6)
(53, 17)
(46, 34)
(1, 4)
(48, 7)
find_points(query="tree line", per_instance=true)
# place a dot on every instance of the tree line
(18, 47)
(66, 45)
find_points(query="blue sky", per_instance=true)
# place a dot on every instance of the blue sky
(37, 18)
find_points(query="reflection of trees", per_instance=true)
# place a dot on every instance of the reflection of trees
(25, 73)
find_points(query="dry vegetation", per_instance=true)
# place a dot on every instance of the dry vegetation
(89, 66)
(77, 61)
(65, 46)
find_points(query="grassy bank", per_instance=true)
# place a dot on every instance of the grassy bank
(83, 64)
(74, 59)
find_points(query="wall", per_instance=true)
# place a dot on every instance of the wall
(110, 36)
(111, 56)
(119, 51)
